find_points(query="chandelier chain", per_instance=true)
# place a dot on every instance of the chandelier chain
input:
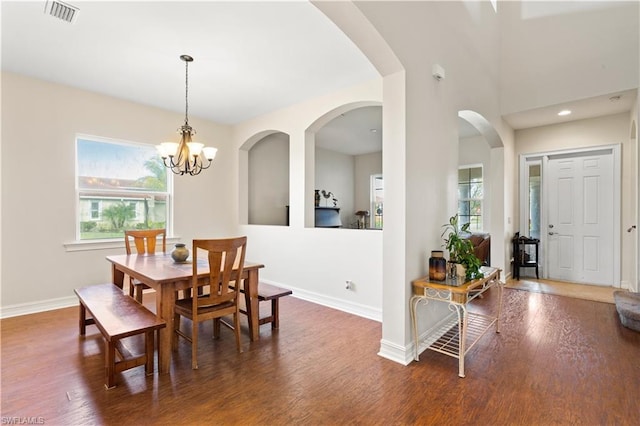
(186, 93)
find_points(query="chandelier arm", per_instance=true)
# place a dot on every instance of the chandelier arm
(202, 162)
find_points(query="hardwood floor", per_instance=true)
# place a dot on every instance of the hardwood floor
(558, 361)
(595, 293)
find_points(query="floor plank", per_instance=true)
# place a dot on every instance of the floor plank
(558, 360)
(595, 293)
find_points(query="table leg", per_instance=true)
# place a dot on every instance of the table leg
(165, 298)
(500, 287)
(117, 276)
(463, 323)
(251, 302)
(413, 305)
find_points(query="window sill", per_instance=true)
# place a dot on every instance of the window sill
(87, 245)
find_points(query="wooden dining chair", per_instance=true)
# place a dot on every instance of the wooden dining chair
(145, 243)
(226, 263)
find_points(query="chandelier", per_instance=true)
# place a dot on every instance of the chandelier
(186, 157)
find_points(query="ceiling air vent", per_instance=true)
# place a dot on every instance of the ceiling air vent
(61, 10)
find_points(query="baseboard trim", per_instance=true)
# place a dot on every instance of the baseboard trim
(331, 302)
(397, 353)
(35, 307)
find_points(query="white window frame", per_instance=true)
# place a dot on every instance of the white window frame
(372, 199)
(481, 200)
(78, 243)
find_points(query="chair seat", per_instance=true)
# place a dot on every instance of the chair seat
(186, 306)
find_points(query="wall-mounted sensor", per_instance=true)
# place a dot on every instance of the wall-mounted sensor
(437, 72)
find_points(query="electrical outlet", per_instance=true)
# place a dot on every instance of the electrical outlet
(348, 285)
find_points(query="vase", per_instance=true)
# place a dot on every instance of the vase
(452, 270)
(461, 271)
(437, 266)
(180, 253)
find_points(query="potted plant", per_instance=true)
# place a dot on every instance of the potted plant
(461, 249)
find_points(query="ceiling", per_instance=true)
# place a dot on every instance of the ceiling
(246, 61)
(250, 58)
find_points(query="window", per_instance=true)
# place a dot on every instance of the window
(119, 185)
(95, 210)
(377, 200)
(470, 195)
(534, 200)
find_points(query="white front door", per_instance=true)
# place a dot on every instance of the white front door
(580, 221)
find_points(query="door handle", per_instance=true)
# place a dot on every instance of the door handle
(632, 228)
(552, 233)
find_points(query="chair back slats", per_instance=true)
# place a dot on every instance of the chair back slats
(226, 264)
(145, 240)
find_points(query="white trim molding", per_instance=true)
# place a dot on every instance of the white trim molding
(35, 307)
(331, 302)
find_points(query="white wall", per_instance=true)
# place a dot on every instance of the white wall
(315, 262)
(466, 45)
(38, 190)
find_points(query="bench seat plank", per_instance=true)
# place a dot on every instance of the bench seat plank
(273, 293)
(119, 317)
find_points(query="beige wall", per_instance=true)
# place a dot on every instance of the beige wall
(335, 173)
(475, 150)
(41, 120)
(269, 180)
(366, 165)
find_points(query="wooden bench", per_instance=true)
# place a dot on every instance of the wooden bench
(119, 317)
(272, 293)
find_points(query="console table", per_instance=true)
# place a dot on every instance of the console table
(461, 330)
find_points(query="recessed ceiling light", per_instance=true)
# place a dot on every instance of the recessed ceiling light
(564, 112)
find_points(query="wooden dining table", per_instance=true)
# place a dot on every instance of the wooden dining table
(166, 277)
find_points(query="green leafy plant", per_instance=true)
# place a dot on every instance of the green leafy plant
(117, 214)
(460, 248)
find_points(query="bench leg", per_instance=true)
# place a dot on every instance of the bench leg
(275, 323)
(110, 365)
(83, 320)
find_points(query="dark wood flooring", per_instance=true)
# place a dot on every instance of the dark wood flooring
(558, 361)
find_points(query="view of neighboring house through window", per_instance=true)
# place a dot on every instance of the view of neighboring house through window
(470, 195)
(120, 185)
